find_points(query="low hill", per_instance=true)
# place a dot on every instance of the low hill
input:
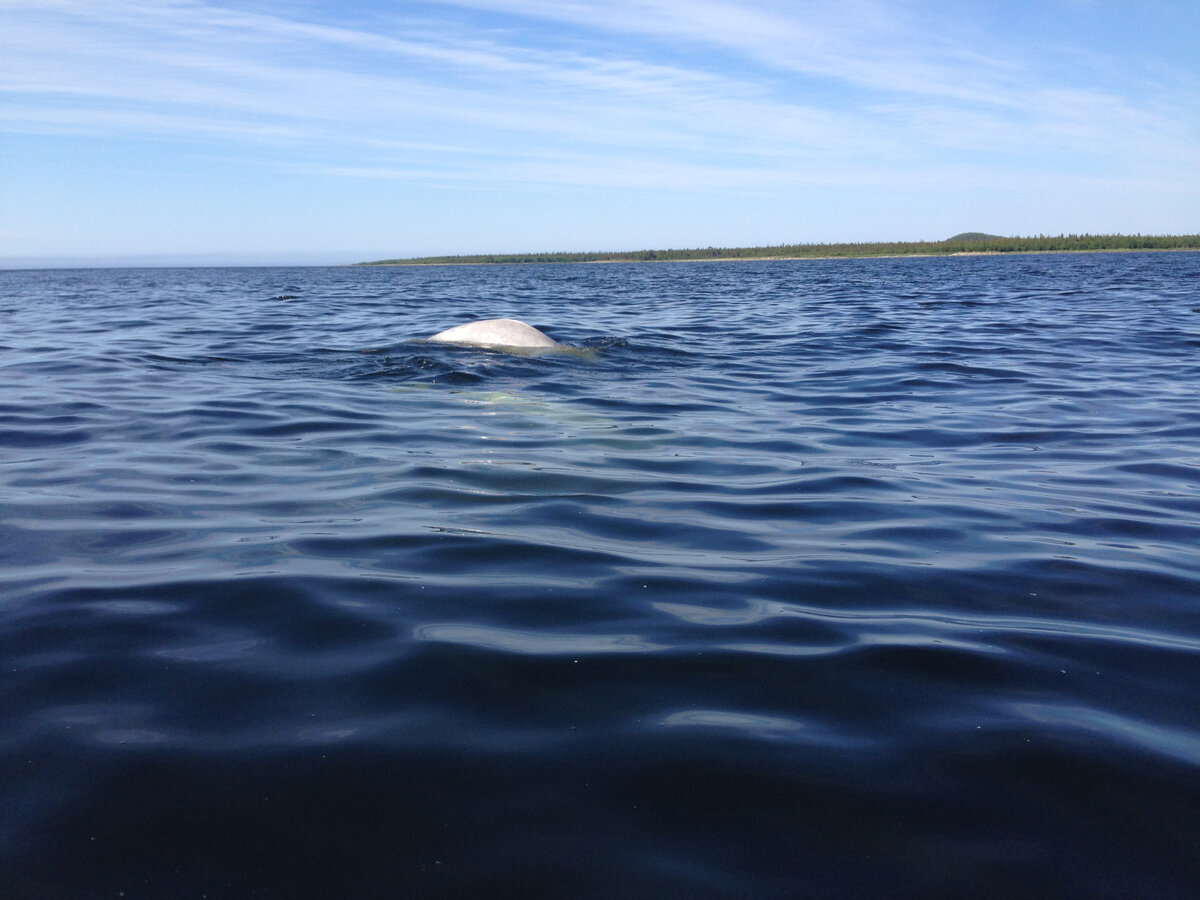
(975, 236)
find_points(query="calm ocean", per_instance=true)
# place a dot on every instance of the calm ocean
(844, 578)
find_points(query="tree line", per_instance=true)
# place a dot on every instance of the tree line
(972, 242)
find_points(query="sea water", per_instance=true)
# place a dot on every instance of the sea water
(802, 578)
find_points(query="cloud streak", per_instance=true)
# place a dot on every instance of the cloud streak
(840, 84)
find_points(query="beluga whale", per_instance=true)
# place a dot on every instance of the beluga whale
(496, 333)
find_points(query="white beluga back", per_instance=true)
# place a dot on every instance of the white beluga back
(496, 333)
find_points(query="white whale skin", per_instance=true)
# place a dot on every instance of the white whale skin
(495, 333)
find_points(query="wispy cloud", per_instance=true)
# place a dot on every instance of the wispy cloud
(828, 87)
(151, 67)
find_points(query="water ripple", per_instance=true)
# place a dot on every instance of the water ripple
(827, 576)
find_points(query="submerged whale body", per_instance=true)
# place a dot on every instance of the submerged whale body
(495, 333)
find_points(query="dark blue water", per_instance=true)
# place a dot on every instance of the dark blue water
(822, 578)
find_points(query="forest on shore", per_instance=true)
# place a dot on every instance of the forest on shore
(968, 242)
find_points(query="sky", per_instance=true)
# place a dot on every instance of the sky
(316, 132)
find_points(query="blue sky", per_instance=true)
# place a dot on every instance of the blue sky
(167, 131)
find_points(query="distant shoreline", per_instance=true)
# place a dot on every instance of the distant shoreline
(453, 261)
(968, 244)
